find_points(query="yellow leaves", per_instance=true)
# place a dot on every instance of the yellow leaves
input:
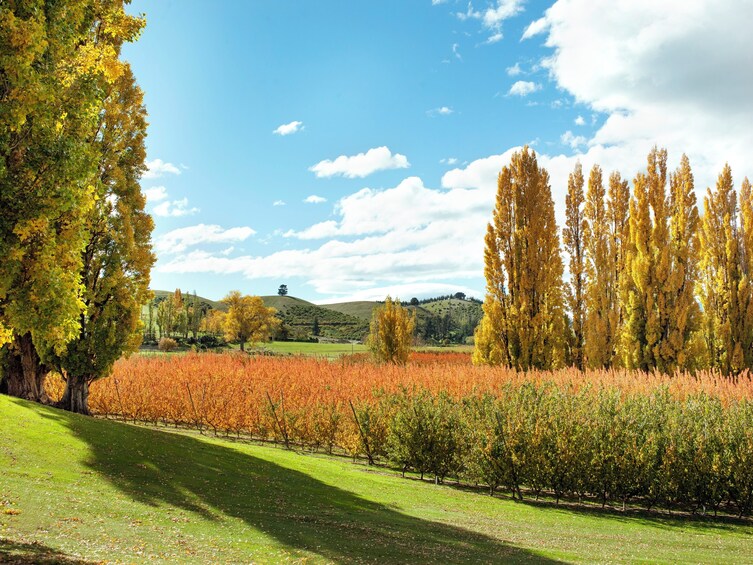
(523, 270)
(391, 332)
(248, 319)
(28, 230)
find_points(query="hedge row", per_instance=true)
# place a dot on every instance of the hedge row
(603, 444)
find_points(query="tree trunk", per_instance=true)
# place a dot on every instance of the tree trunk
(25, 372)
(76, 395)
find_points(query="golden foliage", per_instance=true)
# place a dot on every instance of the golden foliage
(248, 319)
(523, 324)
(391, 332)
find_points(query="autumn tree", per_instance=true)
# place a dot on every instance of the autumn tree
(117, 258)
(683, 345)
(248, 319)
(56, 62)
(618, 207)
(598, 329)
(214, 322)
(523, 322)
(391, 332)
(725, 283)
(572, 236)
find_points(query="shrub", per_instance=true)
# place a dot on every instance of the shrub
(167, 344)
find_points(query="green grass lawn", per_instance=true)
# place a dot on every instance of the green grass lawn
(80, 490)
(316, 349)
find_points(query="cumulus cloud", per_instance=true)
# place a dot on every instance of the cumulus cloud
(579, 121)
(157, 168)
(514, 71)
(361, 165)
(573, 141)
(492, 17)
(179, 240)
(666, 73)
(535, 28)
(287, 129)
(278, 203)
(314, 199)
(174, 208)
(449, 161)
(523, 88)
(155, 193)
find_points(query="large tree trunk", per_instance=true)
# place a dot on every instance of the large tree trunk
(76, 394)
(24, 371)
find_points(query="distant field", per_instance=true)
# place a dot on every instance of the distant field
(315, 349)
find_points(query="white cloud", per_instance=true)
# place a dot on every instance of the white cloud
(278, 203)
(441, 111)
(361, 165)
(437, 2)
(314, 199)
(174, 208)
(456, 51)
(380, 239)
(287, 129)
(155, 193)
(157, 168)
(665, 73)
(535, 28)
(579, 121)
(492, 17)
(573, 141)
(449, 161)
(515, 70)
(403, 292)
(179, 240)
(523, 88)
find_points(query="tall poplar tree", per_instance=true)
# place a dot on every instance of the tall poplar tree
(682, 346)
(618, 219)
(725, 286)
(599, 295)
(572, 236)
(523, 322)
(56, 60)
(647, 269)
(117, 258)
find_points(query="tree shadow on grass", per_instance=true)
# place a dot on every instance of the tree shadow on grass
(302, 513)
(657, 517)
(20, 553)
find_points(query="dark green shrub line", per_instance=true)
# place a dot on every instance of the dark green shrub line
(693, 454)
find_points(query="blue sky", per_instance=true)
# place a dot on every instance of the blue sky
(350, 149)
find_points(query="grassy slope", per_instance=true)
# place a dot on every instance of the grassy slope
(212, 303)
(87, 489)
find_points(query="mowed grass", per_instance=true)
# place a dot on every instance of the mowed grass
(314, 349)
(79, 490)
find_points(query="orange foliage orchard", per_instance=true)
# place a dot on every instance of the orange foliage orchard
(307, 400)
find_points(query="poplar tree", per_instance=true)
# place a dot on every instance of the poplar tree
(599, 294)
(573, 239)
(647, 269)
(683, 347)
(56, 61)
(523, 322)
(248, 319)
(618, 218)
(725, 286)
(117, 258)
